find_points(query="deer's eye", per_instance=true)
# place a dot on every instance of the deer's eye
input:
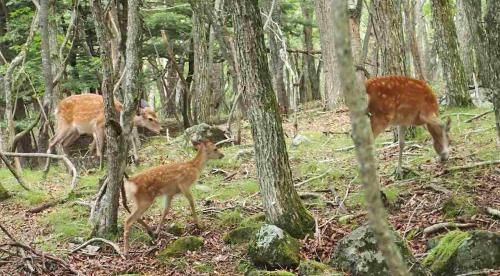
(150, 119)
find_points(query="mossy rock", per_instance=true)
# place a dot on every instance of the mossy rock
(256, 220)
(176, 228)
(181, 246)
(273, 248)
(231, 217)
(269, 273)
(358, 254)
(240, 235)
(204, 132)
(461, 252)
(459, 206)
(3, 193)
(310, 268)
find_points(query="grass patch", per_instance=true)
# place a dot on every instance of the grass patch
(67, 222)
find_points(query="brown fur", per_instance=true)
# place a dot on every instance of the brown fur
(167, 180)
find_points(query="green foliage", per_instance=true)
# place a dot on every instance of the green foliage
(458, 206)
(230, 217)
(447, 246)
(181, 246)
(57, 222)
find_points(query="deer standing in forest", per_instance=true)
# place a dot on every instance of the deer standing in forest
(403, 101)
(167, 180)
(84, 114)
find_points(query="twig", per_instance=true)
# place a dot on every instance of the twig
(478, 116)
(114, 245)
(312, 178)
(409, 220)
(470, 166)
(53, 156)
(446, 225)
(13, 171)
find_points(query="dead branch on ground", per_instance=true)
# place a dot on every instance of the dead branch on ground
(446, 225)
(470, 166)
(478, 116)
(112, 244)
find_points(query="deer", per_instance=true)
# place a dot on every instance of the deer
(404, 101)
(84, 114)
(166, 180)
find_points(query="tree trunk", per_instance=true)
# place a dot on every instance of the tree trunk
(411, 38)
(105, 213)
(423, 43)
(453, 68)
(492, 22)
(311, 78)
(332, 82)
(43, 136)
(355, 8)
(281, 201)
(388, 27)
(355, 97)
(472, 9)
(464, 40)
(200, 89)
(275, 46)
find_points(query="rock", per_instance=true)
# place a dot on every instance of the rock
(240, 235)
(358, 254)
(273, 248)
(309, 268)
(269, 273)
(3, 193)
(181, 246)
(299, 139)
(176, 228)
(462, 252)
(204, 132)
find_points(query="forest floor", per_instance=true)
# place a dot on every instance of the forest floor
(227, 193)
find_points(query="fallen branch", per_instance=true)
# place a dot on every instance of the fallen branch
(493, 212)
(312, 179)
(446, 225)
(53, 156)
(47, 206)
(478, 116)
(470, 166)
(114, 245)
(13, 171)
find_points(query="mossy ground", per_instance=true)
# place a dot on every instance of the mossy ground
(446, 247)
(226, 201)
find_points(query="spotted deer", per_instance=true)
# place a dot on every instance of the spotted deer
(167, 180)
(84, 114)
(403, 101)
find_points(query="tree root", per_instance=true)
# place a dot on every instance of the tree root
(114, 245)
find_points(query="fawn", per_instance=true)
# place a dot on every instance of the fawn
(403, 101)
(84, 114)
(167, 180)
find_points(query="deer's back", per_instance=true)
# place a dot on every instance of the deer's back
(82, 108)
(400, 100)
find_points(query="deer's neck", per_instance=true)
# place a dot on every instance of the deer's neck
(136, 119)
(200, 159)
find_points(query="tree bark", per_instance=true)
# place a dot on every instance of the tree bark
(423, 43)
(411, 38)
(465, 48)
(355, 97)
(281, 201)
(492, 22)
(453, 68)
(333, 95)
(43, 136)
(389, 31)
(311, 79)
(275, 47)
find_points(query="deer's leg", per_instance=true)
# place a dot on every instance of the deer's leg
(401, 137)
(141, 207)
(62, 133)
(168, 204)
(99, 142)
(190, 198)
(70, 140)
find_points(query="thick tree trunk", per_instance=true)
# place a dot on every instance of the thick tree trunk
(281, 201)
(389, 30)
(453, 68)
(332, 82)
(492, 22)
(355, 97)
(465, 48)
(202, 97)
(43, 136)
(275, 46)
(311, 78)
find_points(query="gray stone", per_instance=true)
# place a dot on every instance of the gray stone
(204, 132)
(273, 248)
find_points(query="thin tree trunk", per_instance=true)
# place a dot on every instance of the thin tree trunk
(422, 40)
(453, 68)
(311, 79)
(275, 46)
(492, 22)
(465, 48)
(332, 93)
(355, 98)
(281, 201)
(409, 10)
